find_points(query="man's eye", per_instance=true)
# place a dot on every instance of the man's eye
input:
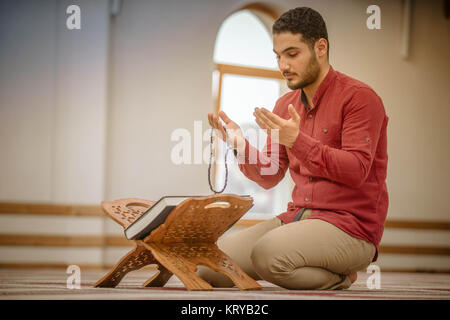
(292, 55)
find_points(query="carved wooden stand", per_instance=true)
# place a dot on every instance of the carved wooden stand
(186, 239)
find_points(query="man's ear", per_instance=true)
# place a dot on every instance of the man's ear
(321, 48)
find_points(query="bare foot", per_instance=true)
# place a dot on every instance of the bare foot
(353, 276)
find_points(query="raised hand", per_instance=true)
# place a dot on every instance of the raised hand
(235, 135)
(287, 129)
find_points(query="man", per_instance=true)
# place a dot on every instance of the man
(332, 137)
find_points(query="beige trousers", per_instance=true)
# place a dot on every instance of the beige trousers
(306, 254)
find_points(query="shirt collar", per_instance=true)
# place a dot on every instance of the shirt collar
(324, 85)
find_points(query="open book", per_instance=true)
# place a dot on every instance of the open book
(153, 217)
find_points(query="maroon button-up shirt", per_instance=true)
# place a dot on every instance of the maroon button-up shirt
(339, 160)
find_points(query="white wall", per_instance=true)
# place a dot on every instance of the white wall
(27, 99)
(53, 102)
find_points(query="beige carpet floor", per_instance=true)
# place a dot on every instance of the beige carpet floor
(40, 284)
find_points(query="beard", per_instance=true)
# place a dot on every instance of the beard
(308, 76)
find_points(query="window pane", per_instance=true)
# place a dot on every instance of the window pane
(242, 94)
(244, 40)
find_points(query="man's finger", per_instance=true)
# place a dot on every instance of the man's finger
(219, 126)
(268, 121)
(214, 122)
(210, 120)
(294, 115)
(217, 122)
(263, 125)
(224, 117)
(272, 117)
(222, 129)
(260, 121)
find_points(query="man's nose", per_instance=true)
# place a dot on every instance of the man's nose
(282, 65)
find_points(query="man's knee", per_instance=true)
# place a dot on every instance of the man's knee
(269, 262)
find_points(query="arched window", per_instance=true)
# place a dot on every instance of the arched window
(246, 77)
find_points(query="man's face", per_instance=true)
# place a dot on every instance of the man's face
(296, 60)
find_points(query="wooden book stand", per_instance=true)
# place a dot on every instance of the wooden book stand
(186, 239)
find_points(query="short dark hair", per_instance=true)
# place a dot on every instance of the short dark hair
(306, 21)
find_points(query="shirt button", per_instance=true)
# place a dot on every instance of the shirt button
(311, 179)
(306, 199)
(310, 116)
(325, 130)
